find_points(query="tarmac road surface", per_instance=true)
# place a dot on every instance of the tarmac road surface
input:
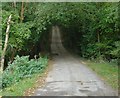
(69, 77)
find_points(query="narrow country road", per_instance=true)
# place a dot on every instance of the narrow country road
(69, 77)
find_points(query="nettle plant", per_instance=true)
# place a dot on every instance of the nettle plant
(22, 68)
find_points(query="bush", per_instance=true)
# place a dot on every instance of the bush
(21, 68)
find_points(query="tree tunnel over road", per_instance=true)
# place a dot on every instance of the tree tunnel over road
(86, 28)
(69, 77)
(82, 27)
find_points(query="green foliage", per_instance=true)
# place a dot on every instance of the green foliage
(20, 33)
(21, 87)
(91, 29)
(21, 68)
(116, 50)
(89, 20)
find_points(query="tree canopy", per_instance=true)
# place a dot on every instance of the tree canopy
(90, 29)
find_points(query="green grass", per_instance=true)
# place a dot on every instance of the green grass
(107, 71)
(19, 88)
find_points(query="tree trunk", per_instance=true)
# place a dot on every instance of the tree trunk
(13, 55)
(22, 12)
(6, 43)
(98, 38)
(14, 3)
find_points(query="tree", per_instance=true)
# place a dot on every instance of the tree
(6, 43)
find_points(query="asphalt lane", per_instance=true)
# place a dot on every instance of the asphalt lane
(69, 77)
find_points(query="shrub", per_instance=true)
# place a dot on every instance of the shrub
(21, 68)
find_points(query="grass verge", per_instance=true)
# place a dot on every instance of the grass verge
(107, 71)
(19, 88)
(26, 86)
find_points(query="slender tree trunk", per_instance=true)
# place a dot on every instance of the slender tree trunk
(6, 43)
(22, 12)
(98, 37)
(13, 55)
(14, 4)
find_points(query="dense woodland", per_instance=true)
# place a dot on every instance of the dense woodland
(90, 29)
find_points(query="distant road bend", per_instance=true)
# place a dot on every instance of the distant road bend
(69, 77)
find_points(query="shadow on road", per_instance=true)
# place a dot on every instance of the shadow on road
(69, 77)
